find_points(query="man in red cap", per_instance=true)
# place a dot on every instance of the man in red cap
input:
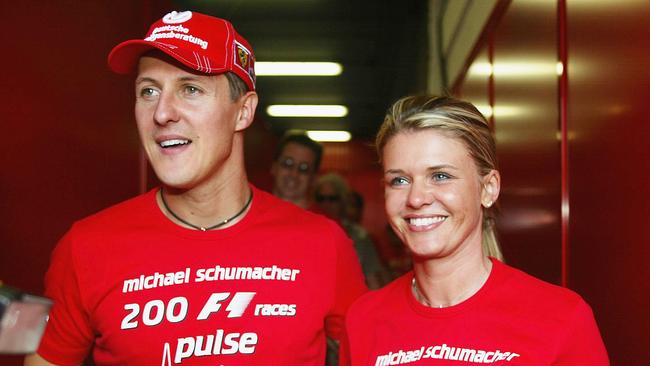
(206, 269)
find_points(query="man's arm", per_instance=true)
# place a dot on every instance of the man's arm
(68, 335)
(36, 360)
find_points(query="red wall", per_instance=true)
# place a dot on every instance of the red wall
(526, 126)
(606, 175)
(609, 160)
(69, 144)
(525, 121)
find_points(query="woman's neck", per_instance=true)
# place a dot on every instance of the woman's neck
(446, 282)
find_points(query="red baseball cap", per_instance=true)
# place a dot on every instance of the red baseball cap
(201, 42)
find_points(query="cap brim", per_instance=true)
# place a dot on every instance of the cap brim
(124, 57)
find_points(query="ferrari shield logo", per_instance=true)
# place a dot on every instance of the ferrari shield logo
(243, 57)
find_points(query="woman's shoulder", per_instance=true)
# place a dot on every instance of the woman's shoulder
(386, 299)
(532, 290)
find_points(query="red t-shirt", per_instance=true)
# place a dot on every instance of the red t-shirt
(145, 291)
(514, 319)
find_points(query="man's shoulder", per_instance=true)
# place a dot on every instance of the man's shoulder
(127, 212)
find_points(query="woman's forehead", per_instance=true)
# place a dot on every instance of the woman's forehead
(424, 149)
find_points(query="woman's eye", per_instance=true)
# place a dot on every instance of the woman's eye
(441, 176)
(398, 181)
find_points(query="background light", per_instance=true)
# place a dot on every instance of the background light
(485, 110)
(297, 68)
(305, 110)
(329, 136)
(481, 68)
(516, 69)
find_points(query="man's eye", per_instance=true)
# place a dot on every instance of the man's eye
(192, 90)
(287, 163)
(148, 92)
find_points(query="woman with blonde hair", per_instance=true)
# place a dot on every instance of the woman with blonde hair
(460, 304)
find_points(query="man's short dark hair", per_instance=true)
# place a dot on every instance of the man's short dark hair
(302, 139)
(237, 86)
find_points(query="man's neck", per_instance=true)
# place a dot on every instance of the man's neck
(209, 203)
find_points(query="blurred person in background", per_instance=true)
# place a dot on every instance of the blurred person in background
(460, 304)
(332, 195)
(355, 207)
(295, 164)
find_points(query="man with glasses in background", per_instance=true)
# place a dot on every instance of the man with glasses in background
(295, 164)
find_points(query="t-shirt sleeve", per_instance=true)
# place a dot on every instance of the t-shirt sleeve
(68, 336)
(357, 335)
(582, 344)
(349, 285)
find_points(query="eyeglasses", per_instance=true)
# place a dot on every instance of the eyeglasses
(289, 164)
(327, 198)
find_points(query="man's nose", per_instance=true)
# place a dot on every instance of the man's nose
(166, 110)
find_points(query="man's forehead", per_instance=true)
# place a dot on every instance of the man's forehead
(295, 149)
(156, 57)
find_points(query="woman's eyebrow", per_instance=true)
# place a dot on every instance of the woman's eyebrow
(431, 168)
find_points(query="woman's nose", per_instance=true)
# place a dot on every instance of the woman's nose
(419, 195)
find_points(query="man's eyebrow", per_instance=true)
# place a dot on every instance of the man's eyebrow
(189, 78)
(144, 79)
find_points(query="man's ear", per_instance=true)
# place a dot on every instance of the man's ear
(491, 188)
(247, 105)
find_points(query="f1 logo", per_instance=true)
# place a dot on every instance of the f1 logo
(235, 308)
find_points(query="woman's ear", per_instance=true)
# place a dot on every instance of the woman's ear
(491, 188)
(248, 104)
